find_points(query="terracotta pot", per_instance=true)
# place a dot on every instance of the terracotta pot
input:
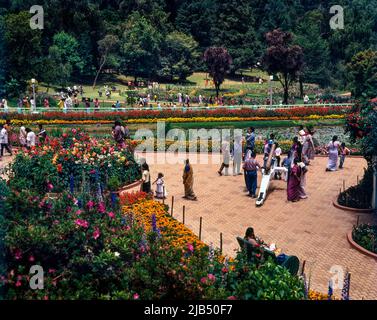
(339, 206)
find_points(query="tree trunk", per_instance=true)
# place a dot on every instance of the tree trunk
(217, 87)
(301, 88)
(99, 71)
(286, 88)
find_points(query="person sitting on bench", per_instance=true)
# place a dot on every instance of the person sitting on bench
(250, 237)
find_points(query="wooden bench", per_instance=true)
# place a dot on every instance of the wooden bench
(292, 263)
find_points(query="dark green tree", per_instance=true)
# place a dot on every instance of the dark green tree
(140, 48)
(179, 56)
(107, 47)
(362, 75)
(23, 47)
(316, 50)
(235, 31)
(64, 56)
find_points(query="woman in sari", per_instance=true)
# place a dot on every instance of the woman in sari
(294, 182)
(188, 181)
(296, 150)
(333, 149)
(308, 150)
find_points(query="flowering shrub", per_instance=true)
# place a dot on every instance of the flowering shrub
(171, 115)
(70, 162)
(89, 250)
(177, 233)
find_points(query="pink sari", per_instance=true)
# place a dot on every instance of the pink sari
(294, 189)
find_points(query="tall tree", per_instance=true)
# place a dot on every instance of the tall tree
(179, 56)
(106, 47)
(140, 48)
(235, 31)
(219, 62)
(316, 49)
(362, 75)
(64, 55)
(22, 47)
(283, 59)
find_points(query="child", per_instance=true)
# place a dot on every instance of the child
(160, 190)
(344, 151)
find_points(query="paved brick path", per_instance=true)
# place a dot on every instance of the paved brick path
(313, 229)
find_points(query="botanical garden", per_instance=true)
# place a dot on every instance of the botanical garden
(92, 99)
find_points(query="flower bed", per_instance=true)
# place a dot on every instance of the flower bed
(72, 162)
(91, 250)
(359, 196)
(365, 235)
(170, 115)
(145, 211)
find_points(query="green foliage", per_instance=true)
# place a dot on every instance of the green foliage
(315, 48)
(362, 74)
(140, 47)
(359, 196)
(22, 47)
(179, 56)
(94, 252)
(365, 235)
(64, 57)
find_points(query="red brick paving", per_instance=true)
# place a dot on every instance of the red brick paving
(313, 229)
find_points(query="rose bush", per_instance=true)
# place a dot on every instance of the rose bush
(72, 162)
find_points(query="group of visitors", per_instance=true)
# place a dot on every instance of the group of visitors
(161, 192)
(26, 137)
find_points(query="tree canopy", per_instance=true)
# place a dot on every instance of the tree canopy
(164, 39)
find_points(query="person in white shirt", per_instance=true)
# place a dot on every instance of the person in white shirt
(4, 141)
(22, 136)
(160, 190)
(306, 99)
(33, 105)
(5, 105)
(237, 155)
(30, 138)
(225, 150)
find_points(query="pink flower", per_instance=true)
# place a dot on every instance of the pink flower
(78, 212)
(203, 280)
(51, 270)
(82, 223)
(211, 277)
(190, 247)
(136, 296)
(111, 215)
(45, 298)
(96, 234)
(50, 187)
(101, 207)
(90, 204)
(18, 254)
(231, 298)
(18, 283)
(31, 259)
(74, 131)
(224, 270)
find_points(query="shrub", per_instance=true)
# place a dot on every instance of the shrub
(359, 196)
(365, 235)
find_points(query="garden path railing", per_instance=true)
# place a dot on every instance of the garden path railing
(125, 109)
